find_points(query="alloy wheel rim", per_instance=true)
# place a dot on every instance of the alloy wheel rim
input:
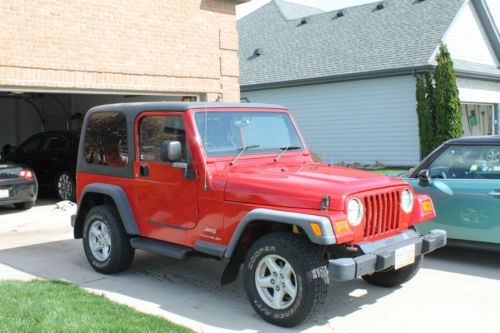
(64, 187)
(276, 282)
(100, 240)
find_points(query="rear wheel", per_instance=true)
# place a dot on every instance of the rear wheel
(106, 244)
(391, 277)
(24, 205)
(286, 278)
(66, 186)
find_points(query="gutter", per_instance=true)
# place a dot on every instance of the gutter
(364, 76)
(339, 78)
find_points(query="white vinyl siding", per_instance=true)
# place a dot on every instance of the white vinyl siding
(357, 121)
(479, 91)
(467, 40)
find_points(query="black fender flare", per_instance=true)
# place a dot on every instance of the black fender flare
(291, 218)
(119, 197)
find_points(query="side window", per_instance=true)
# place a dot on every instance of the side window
(153, 130)
(106, 139)
(55, 142)
(31, 145)
(468, 162)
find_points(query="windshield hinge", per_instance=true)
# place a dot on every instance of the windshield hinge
(325, 203)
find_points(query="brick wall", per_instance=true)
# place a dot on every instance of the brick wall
(177, 46)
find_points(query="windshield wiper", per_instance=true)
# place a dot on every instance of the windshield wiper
(284, 150)
(241, 151)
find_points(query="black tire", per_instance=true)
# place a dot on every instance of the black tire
(121, 252)
(310, 270)
(24, 205)
(391, 278)
(65, 185)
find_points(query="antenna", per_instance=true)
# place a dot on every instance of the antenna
(205, 187)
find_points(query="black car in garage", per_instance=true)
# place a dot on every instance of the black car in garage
(52, 155)
(18, 185)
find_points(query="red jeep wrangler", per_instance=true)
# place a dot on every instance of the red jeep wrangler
(237, 183)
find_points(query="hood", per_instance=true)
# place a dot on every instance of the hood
(300, 186)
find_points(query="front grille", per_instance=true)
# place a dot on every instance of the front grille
(382, 213)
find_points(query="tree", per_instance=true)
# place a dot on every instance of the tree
(446, 98)
(431, 104)
(423, 116)
(426, 113)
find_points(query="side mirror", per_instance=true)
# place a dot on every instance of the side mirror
(424, 177)
(171, 151)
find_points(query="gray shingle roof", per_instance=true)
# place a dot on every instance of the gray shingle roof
(403, 34)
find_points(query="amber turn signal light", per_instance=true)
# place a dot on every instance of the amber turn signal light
(316, 228)
(342, 226)
(427, 206)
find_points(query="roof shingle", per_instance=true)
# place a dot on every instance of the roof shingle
(403, 34)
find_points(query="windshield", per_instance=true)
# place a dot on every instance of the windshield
(225, 133)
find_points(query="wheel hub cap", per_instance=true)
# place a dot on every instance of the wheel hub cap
(64, 187)
(276, 282)
(100, 240)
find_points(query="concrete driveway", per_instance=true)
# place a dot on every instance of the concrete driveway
(456, 291)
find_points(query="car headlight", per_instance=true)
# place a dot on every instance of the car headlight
(407, 200)
(354, 211)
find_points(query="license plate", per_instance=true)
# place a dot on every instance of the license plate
(404, 256)
(4, 194)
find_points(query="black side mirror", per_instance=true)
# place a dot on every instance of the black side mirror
(424, 177)
(171, 151)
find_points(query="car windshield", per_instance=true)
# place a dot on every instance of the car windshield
(225, 133)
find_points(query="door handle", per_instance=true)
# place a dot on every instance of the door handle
(144, 170)
(495, 194)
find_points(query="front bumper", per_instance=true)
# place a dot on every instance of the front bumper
(381, 254)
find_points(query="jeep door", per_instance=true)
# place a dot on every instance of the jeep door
(166, 194)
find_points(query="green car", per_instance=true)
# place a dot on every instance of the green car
(462, 177)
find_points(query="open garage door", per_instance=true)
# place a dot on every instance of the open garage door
(41, 130)
(23, 114)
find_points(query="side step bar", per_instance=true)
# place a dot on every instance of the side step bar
(162, 248)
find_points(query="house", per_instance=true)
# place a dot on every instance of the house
(60, 58)
(349, 75)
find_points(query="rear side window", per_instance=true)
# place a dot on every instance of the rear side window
(55, 142)
(106, 139)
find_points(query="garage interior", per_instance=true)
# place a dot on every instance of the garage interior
(25, 113)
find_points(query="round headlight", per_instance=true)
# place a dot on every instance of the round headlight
(354, 212)
(407, 200)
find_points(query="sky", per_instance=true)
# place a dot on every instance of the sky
(329, 5)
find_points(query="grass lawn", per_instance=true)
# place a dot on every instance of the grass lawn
(387, 171)
(52, 306)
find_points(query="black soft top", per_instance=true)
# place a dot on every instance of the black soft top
(134, 109)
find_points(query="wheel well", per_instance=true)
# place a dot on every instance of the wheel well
(254, 230)
(257, 229)
(89, 201)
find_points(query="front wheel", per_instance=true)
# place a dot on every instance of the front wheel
(286, 278)
(391, 277)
